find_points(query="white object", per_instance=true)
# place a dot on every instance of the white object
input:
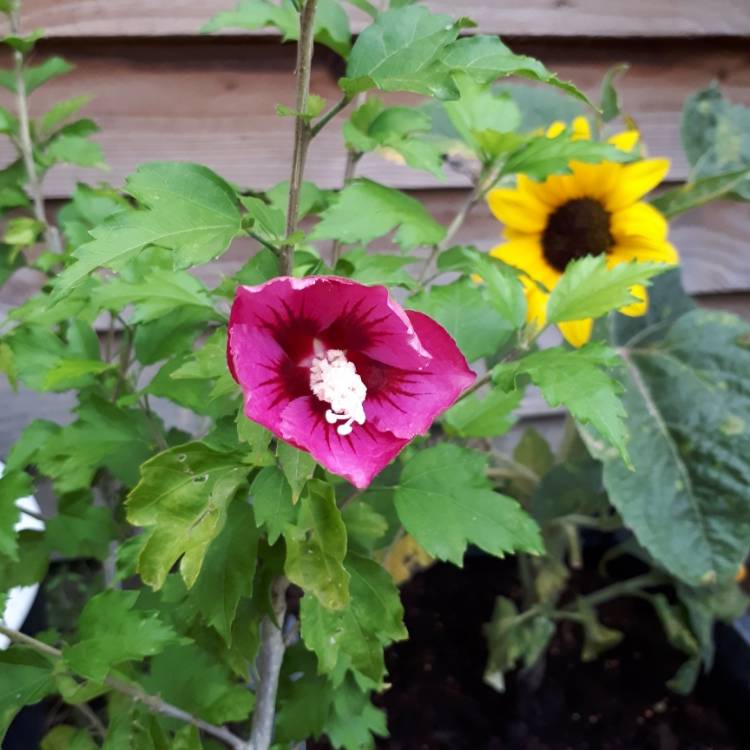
(21, 599)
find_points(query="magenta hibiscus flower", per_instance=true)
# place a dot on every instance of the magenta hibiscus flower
(339, 369)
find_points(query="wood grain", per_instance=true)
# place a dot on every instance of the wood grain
(213, 102)
(571, 18)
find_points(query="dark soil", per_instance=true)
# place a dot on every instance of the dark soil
(619, 702)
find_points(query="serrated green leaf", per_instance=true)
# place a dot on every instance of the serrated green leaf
(488, 416)
(402, 51)
(577, 379)
(377, 269)
(25, 679)
(158, 294)
(379, 210)
(465, 312)
(272, 502)
(31, 567)
(74, 149)
(13, 486)
(716, 136)
(61, 111)
(486, 59)
(689, 420)
(72, 373)
(36, 75)
(354, 720)
(693, 194)
(184, 494)
(111, 632)
(354, 637)
(80, 529)
(66, 737)
(297, 466)
(589, 289)
(316, 547)
(22, 231)
(609, 98)
(445, 502)
(190, 211)
(228, 570)
(331, 22)
(365, 527)
(542, 156)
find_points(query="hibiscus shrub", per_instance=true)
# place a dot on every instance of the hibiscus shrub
(252, 466)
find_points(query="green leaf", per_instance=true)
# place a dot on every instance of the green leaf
(228, 570)
(479, 110)
(23, 43)
(716, 136)
(445, 502)
(576, 379)
(258, 439)
(698, 192)
(25, 679)
(74, 149)
(111, 632)
(402, 51)
(354, 720)
(610, 99)
(297, 466)
(512, 641)
(689, 418)
(588, 289)
(489, 416)
(365, 527)
(73, 373)
(541, 156)
(216, 697)
(272, 502)
(464, 310)
(377, 269)
(155, 296)
(184, 494)
(66, 737)
(22, 231)
(597, 639)
(331, 22)
(32, 563)
(190, 211)
(61, 111)
(379, 210)
(354, 637)
(36, 75)
(375, 127)
(316, 547)
(486, 59)
(13, 486)
(80, 529)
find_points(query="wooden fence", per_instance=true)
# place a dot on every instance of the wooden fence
(161, 90)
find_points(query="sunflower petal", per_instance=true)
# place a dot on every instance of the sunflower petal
(595, 181)
(635, 181)
(581, 130)
(526, 255)
(536, 303)
(518, 209)
(639, 220)
(636, 309)
(577, 332)
(643, 249)
(555, 129)
(625, 141)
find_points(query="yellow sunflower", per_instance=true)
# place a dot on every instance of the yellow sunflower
(595, 210)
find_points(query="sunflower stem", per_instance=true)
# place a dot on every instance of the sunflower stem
(25, 143)
(302, 131)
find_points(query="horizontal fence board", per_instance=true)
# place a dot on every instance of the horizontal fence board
(589, 18)
(214, 103)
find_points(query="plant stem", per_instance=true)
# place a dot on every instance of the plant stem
(328, 116)
(271, 655)
(25, 144)
(302, 130)
(152, 702)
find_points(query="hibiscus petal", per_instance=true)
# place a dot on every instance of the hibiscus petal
(368, 320)
(357, 457)
(406, 402)
(259, 365)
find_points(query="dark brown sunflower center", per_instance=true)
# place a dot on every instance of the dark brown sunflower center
(579, 227)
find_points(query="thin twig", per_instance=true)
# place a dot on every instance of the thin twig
(269, 665)
(302, 131)
(25, 144)
(328, 116)
(90, 715)
(275, 250)
(352, 158)
(153, 702)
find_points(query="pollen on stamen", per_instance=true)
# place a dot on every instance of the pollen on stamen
(334, 380)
